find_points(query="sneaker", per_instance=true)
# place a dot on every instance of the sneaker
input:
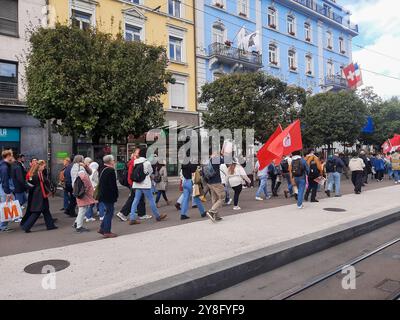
(218, 218)
(81, 230)
(203, 215)
(315, 200)
(133, 222)
(6, 230)
(286, 193)
(259, 199)
(162, 217)
(109, 235)
(184, 217)
(301, 207)
(145, 217)
(90, 220)
(229, 202)
(211, 215)
(268, 197)
(121, 216)
(237, 208)
(74, 225)
(178, 206)
(101, 218)
(194, 206)
(18, 220)
(338, 196)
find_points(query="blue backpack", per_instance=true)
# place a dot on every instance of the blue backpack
(208, 171)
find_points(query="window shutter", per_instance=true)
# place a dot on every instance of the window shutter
(9, 17)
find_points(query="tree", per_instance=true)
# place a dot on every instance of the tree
(250, 101)
(89, 83)
(333, 117)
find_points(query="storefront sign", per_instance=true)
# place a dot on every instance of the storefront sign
(10, 134)
(62, 155)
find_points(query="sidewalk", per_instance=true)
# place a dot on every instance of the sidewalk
(106, 267)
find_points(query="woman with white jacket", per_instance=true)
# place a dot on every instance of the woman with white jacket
(94, 179)
(236, 176)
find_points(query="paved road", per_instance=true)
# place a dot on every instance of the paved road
(18, 241)
(378, 277)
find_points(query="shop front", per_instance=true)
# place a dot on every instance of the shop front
(10, 138)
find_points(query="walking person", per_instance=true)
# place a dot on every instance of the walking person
(379, 166)
(334, 168)
(345, 160)
(142, 185)
(126, 209)
(285, 163)
(70, 209)
(85, 200)
(18, 177)
(108, 194)
(368, 166)
(395, 161)
(212, 175)
(263, 178)
(274, 173)
(94, 180)
(161, 180)
(357, 168)
(189, 177)
(39, 192)
(6, 183)
(61, 183)
(236, 177)
(315, 171)
(299, 169)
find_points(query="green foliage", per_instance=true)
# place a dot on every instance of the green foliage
(333, 117)
(90, 83)
(250, 101)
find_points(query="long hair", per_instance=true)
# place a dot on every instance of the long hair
(231, 169)
(34, 170)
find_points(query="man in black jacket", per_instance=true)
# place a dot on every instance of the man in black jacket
(6, 183)
(108, 194)
(18, 174)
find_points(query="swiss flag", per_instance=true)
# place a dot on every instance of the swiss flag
(264, 156)
(287, 141)
(395, 142)
(353, 76)
(386, 147)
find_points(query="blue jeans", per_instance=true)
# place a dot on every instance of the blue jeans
(396, 175)
(106, 223)
(301, 186)
(263, 188)
(334, 179)
(89, 211)
(227, 196)
(66, 199)
(101, 208)
(187, 193)
(149, 195)
(21, 197)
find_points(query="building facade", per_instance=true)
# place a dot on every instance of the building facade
(302, 42)
(18, 130)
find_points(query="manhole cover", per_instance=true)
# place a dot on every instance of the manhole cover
(389, 285)
(46, 266)
(334, 209)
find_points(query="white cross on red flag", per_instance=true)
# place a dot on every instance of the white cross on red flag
(353, 76)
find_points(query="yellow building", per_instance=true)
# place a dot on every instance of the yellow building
(160, 22)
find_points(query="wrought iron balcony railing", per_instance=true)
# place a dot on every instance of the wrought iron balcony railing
(227, 51)
(336, 81)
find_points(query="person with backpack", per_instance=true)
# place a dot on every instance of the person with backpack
(368, 166)
(61, 183)
(334, 168)
(127, 177)
(285, 163)
(315, 171)
(107, 194)
(263, 178)
(161, 180)
(94, 180)
(142, 185)
(298, 170)
(274, 172)
(357, 168)
(212, 176)
(236, 176)
(379, 165)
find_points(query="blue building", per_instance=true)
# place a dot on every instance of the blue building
(302, 42)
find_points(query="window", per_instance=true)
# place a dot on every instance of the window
(342, 47)
(218, 34)
(178, 94)
(219, 3)
(135, 1)
(291, 25)
(307, 31)
(292, 60)
(133, 33)
(330, 70)
(273, 54)
(81, 20)
(174, 8)
(9, 17)
(8, 80)
(329, 40)
(272, 18)
(309, 64)
(243, 8)
(175, 49)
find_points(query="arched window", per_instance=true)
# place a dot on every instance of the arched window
(218, 32)
(309, 64)
(291, 25)
(292, 61)
(273, 54)
(307, 32)
(330, 70)
(272, 18)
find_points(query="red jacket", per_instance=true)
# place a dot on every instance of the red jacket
(131, 164)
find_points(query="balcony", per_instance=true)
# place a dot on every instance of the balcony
(230, 55)
(335, 83)
(312, 5)
(8, 90)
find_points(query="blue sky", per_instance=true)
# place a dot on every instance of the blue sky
(379, 26)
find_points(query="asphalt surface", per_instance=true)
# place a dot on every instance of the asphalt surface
(377, 277)
(19, 242)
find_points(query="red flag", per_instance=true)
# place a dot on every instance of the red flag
(288, 141)
(395, 141)
(386, 147)
(263, 155)
(353, 76)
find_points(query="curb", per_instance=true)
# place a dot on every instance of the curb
(203, 281)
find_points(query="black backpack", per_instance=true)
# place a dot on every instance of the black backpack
(285, 166)
(78, 190)
(157, 176)
(331, 165)
(314, 172)
(297, 168)
(123, 177)
(138, 174)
